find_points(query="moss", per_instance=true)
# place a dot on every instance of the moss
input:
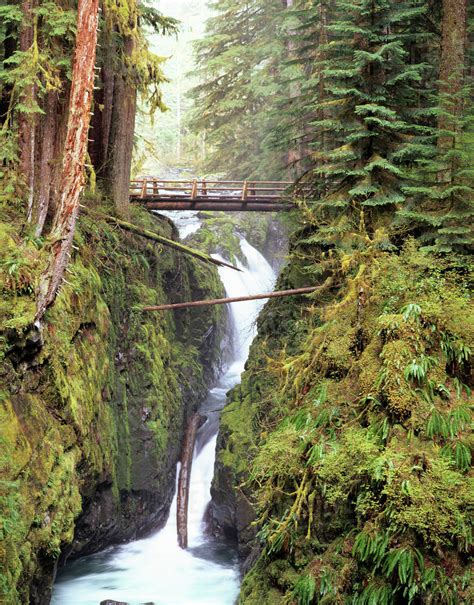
(222, 233)
(257, 590)
(352, 422)
(97, 408)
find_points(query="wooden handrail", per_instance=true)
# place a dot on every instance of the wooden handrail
(210, 182)
(196, 194)
(250, 190)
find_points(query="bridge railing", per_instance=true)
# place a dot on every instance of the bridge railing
(166, 189)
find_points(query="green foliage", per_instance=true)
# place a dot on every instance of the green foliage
(360, 459)
(238, 64)
(141, 67)
(441, 187)
(305, 590)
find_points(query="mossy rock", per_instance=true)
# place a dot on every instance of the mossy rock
(95, 403)
(352, 421)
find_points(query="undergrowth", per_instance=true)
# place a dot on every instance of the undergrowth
(360, 458)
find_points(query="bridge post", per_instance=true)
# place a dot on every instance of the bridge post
(204, 188)
(244, 191)
(144, 187)
(194, 189)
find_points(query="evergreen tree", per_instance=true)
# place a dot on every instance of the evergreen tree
(366, 87)
(36, 48)
(441, 191)
(238, 64)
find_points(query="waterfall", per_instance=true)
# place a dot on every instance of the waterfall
(155, 570)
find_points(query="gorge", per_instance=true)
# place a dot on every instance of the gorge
(333, 453)
(156, 569)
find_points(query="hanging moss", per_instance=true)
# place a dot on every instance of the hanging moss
(350, 438)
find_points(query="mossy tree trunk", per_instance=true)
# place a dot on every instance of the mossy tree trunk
(451, 71)
(72, 180)
(121, 136)
(26, 119)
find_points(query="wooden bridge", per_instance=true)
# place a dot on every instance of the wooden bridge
(230, 196)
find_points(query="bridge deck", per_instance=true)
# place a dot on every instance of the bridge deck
(230, 196)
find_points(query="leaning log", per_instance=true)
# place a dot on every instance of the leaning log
(184, 481)
(75, 148)
(154, 237)
(224, 301)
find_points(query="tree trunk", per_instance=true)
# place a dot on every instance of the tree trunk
(452, 68)
(75, 150)
(293, 156)
(121, 138)
(226, 301)
(26, 122)
(184, 480)
(47, 156)
(103, 104)
(59, 145)
(108, 77)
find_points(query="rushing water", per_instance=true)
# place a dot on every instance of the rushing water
(155, 570)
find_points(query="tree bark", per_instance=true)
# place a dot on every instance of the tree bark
(184, 480)
(26, 122)
(108, 77)
(452, 69)
(47, 157)
(103, 103)
(75, 150)
(121, 137)
(59, 145)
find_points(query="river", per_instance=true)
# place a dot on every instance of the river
(155, 570)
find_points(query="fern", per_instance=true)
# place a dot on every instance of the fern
(305, 590)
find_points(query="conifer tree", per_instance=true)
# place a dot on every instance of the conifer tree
(365, 94)
(238, 64)
(441, 191)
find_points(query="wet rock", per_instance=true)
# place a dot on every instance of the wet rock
(276, 244)
(230, 512)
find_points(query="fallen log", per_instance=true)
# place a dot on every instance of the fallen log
(224, 301)
(151, 235)
(184, 481)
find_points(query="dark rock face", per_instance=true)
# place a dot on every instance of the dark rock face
(276, 244)
(230, 511)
